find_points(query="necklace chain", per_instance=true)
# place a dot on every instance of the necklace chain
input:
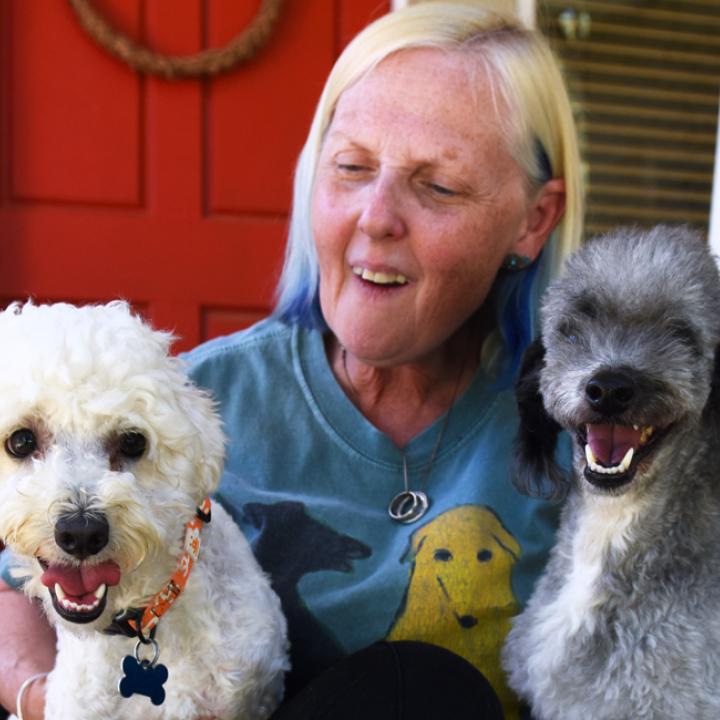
(409, 505)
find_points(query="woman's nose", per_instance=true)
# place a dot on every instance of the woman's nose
(381, 216)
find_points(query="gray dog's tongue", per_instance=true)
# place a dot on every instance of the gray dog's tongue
(79, 581)
(610, 443)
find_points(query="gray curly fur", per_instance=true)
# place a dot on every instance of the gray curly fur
(625, 622)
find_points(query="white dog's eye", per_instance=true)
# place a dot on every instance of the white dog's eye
(132, 444)
(21, 444)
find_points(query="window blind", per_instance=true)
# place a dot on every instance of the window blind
(643, 78)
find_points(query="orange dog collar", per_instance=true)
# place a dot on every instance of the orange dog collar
(142, 622)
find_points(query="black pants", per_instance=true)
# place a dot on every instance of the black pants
(396, 681)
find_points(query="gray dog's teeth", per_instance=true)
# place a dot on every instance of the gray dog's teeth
(593, 464)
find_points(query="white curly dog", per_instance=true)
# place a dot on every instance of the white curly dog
(108, 451)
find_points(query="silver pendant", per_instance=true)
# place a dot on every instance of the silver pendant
(408, 506)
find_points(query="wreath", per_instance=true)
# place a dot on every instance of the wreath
(206, 63)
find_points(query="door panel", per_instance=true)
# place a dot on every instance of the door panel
(87, 126)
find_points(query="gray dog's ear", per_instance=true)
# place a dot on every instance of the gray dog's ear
(534, 469)
(713, 403)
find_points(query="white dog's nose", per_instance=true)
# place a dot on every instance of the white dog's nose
(82, 535)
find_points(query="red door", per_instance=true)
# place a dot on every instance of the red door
(171, 194)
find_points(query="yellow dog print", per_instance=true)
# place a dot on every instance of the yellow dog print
(459, 594)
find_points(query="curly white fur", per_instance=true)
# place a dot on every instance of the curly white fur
(79, 378)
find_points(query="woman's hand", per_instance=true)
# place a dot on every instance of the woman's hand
(27, 648)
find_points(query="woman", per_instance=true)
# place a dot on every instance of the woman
(371, 419)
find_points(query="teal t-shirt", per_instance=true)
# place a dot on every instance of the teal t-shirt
(309, 480)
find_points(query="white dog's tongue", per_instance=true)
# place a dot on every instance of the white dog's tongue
(80, 581)
(610, 443)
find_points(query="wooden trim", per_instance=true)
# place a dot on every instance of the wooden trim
(624, 71)
(623, 190)
(666, 36)
(583, 88)
(642, 13)
(653, 214)
(700, 158)
(690, 118)
(621, 130)
(645, 172)
(646, 53)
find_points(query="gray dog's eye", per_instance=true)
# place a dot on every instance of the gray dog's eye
(132, 444)
(567, 330)
(682, 332)
(21, 444)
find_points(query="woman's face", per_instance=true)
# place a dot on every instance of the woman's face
(416, 203)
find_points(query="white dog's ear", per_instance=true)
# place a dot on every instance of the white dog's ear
(534, 469)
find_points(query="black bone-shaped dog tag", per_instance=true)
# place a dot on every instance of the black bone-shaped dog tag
(142, 677)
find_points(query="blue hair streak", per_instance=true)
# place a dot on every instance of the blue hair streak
(304, 310)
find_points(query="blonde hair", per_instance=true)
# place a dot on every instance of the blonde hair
(537, 122)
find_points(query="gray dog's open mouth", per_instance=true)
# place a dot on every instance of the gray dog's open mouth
(614, 452)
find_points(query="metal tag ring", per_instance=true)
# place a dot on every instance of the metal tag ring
(156, 652)
(408, 506)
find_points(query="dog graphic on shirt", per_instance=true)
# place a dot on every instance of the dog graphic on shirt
(459, 595)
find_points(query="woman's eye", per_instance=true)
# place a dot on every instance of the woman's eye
(132, 444)
(352, 169)
(441, 190)
(21, 444)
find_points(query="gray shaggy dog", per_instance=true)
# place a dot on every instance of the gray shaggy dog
(625, 622)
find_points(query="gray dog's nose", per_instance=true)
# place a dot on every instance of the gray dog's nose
(82, 535)
(610, 392)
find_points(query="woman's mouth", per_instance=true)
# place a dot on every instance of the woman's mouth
(379, 277)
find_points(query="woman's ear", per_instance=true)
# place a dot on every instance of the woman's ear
(544, 213)
(534, 469)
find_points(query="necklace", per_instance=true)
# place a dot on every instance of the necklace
(408, 506)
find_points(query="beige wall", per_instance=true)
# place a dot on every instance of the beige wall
(525, 9)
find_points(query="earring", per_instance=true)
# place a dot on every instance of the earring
(514, 262)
